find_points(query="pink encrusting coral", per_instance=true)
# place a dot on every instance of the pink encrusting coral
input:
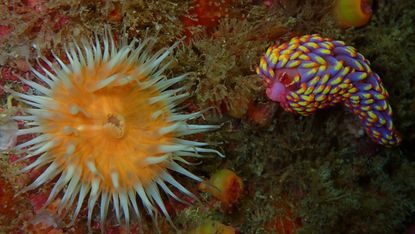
(311, 72)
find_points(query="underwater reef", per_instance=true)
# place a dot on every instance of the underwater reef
(282, 172)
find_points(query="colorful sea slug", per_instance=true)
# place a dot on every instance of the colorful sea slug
(311, 72)
(108, 130)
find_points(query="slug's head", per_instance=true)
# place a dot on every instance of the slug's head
(279, 84)
(276, 91)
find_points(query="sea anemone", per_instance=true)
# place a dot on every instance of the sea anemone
(107, 128)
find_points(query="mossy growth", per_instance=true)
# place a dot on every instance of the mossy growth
(221, 67)
(363, 195)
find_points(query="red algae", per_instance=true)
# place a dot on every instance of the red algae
(115, 14)
(284, 221)
(5, 31)
(205, 13)
(6, 199)
(261, 114)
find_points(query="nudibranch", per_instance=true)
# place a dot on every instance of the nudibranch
(311, 72)
(108, 129)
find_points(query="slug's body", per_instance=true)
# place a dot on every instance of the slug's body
(312, 72)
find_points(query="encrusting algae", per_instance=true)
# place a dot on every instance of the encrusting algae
(107, 127)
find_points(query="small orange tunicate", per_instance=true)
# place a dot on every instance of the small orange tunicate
(225, 186)
(353, 13)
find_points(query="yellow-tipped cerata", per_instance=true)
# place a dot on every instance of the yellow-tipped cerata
(107, 129)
